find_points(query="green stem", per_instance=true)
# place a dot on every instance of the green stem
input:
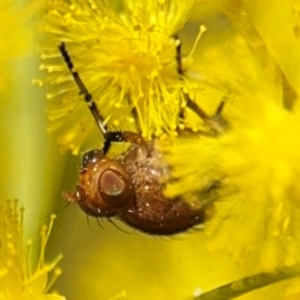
(248, 284)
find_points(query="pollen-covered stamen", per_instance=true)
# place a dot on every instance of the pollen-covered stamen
(202, 29)
(215, 122)
(188, 58)
(18, 280)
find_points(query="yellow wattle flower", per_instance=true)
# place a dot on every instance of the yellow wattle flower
(256, 159)
(126, 58)
(17, 280)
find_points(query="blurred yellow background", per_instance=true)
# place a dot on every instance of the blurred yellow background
(100, 262)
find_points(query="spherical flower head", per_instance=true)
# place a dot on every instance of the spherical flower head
(126, 59)
(17, 281)
(255, 160)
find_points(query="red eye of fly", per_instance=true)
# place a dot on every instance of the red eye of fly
(111, 184)
(114, 188)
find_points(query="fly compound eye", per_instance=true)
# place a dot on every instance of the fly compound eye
(114, 188)
(111, 184)
(104, 188)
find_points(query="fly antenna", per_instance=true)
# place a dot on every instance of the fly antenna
(84, 91)
(109, 136)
